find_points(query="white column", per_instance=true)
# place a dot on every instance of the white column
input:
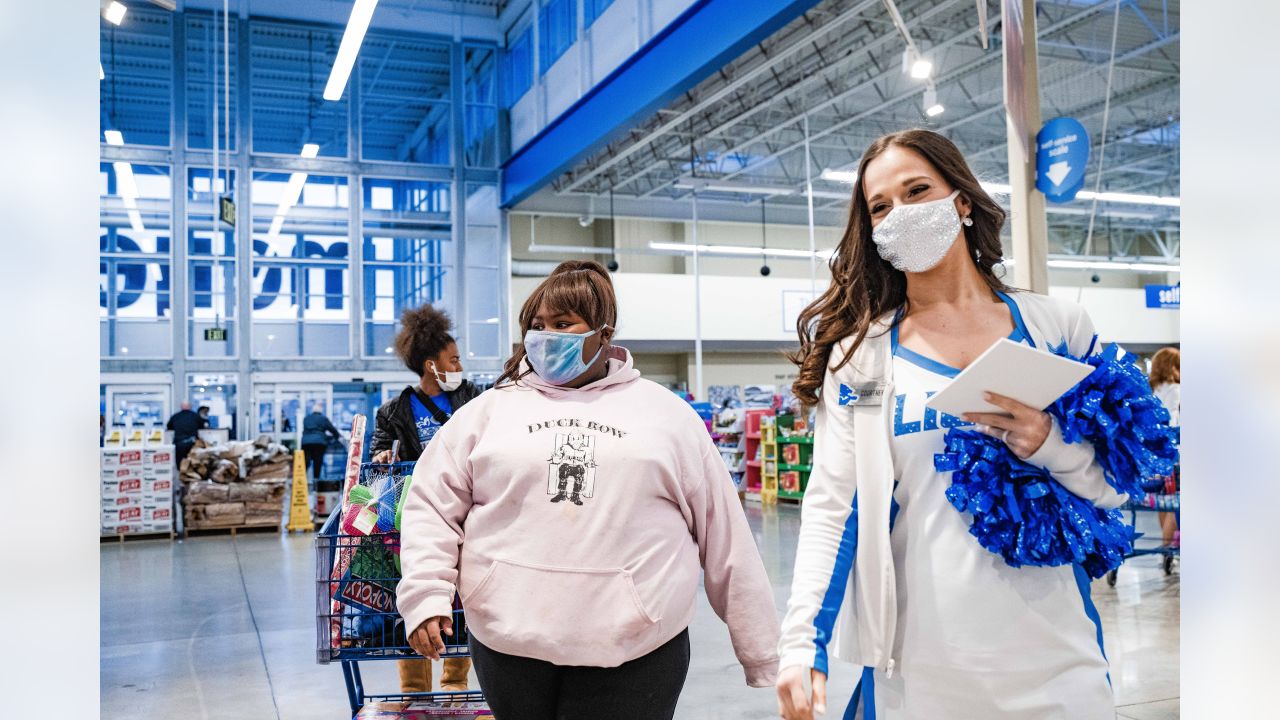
(1027, 220)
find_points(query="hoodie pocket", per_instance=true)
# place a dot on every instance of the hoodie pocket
(567, 616)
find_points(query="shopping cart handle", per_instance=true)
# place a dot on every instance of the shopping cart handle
(330, 527)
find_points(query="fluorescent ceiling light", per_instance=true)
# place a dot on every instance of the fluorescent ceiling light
(934, 110)
(114, 137)
(745, 188)
(843, 176)
(115, 12)
(310, 150)
(921, 69)
(736, 250)
(102, 74)
(292, 191)
(361, 14)
(1130, 198)
(166, 4)
(1113, 265)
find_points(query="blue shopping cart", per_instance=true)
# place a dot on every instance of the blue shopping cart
(356, 616)
(1163, 496)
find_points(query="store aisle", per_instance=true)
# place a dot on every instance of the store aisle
(215, 628)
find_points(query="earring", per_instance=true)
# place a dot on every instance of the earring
(967, 222)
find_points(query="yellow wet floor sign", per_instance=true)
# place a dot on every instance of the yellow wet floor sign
(300, 502)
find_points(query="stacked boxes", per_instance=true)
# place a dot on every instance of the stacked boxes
(137, 490)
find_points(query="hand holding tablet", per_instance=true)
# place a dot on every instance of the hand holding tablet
(1030, 376)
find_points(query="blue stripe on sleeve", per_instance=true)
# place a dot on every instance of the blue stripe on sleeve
(824, 622)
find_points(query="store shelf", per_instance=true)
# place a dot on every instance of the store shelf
(753, 463)
(787, 495)
(753, 436)
(797, 468)
(795, 440)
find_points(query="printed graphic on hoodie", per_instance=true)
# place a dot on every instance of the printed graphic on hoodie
(572, 475)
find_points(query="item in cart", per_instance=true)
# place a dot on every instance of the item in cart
(425, 710)
(370, 581)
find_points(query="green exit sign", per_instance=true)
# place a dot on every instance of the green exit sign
(215, 334)
(227, 210)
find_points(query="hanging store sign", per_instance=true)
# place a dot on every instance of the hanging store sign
(215, 334)
(227, 210)
(1168, 297)
(1062, 154)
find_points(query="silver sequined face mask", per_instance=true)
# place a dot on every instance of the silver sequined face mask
(915, 238)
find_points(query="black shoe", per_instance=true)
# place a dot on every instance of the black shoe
(575, 499)
(560, 497)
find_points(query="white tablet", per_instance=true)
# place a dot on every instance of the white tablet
(1030, 376)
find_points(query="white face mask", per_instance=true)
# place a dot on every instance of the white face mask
(915, 238)
(449, 380)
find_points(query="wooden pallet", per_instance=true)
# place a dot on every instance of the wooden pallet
(233, 530)
(105, 539)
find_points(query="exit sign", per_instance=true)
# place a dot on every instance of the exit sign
(215, 334)
(227, 210)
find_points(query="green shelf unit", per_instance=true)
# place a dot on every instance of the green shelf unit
(794, 440)
(786, 495)
(798, 468)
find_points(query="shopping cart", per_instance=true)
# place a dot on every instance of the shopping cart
(357, 620)
(1162, 496)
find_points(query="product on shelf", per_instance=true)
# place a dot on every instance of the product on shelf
(789, 481)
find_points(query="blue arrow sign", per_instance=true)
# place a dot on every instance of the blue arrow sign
(1062, 154)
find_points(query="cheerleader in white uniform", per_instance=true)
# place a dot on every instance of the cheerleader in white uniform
(887, 574)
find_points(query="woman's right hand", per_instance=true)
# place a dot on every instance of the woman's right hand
(381, 458)
(426, 639)
(793, 703)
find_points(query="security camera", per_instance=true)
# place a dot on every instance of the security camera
(612, 265)
(1096, 278)
(585, 220)
(764, 270)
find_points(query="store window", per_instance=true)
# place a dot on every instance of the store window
(211, 268)
(290, 67)
(136, 86)
(408, 254)
(205, 62)
(517, 66)
(216, 391)
(133, 242)
(301, 276)
(557, 29)
(484, 282)
(405, 101)
(480, 92)
(593, 9)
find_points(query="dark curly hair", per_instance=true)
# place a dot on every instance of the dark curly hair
(424, 334)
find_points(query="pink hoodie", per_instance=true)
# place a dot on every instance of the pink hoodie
(599, 583)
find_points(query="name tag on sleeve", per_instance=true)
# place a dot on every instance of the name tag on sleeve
(870, 393)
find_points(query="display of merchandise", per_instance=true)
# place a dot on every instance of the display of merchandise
(795, 442)
(137, 490)
(754, 418)
(727, 432)
(424, 710)
(239, 484)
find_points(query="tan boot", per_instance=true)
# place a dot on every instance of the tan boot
(454, 677)
(415, 675)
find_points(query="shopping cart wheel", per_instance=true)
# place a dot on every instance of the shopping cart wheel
(1111, 577)
(1168, 564)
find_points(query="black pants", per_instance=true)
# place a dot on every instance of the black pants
(520, 688)
(315, 458)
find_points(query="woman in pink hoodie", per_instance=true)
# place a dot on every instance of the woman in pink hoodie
(573, 507)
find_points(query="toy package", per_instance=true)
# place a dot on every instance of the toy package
(420, 710)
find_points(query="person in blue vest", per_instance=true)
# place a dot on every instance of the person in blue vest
(426, 347)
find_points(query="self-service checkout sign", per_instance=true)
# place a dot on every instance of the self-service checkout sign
(1165, 296)
(1062, 155)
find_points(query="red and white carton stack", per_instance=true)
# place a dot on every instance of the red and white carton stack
(137, 490)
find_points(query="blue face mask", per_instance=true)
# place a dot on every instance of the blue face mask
(557, 356)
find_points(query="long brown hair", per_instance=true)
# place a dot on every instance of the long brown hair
(864, 286)
(578, 286)
(1166, 367)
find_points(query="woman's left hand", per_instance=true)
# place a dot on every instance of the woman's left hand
(1024, 433)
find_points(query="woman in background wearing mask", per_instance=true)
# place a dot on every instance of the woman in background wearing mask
(887, 575)
(573, 507)
(414, 418)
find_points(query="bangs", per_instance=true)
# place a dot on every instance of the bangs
(571, 292)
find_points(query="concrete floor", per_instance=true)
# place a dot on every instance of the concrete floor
(225, 628)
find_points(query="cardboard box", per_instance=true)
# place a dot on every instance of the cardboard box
(128, 515)
(157, 487)
(124, 486)
(157, 515)
(130, 456)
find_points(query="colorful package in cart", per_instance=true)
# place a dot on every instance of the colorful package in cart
(424, 711)
(370, 582)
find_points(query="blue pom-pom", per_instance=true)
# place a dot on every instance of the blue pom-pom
(1114, 410)
(1025, 516)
